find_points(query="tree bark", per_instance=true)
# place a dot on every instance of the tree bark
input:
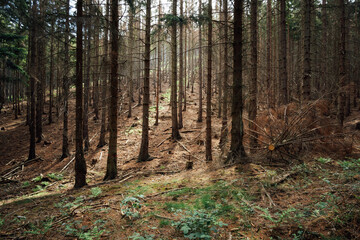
(307, 41)
(175, 134)
(102, 141)
(342, 65)
(224, 128)
(200, 68)
(158, 70)
(269, 85)
(283, 96)
(131, 46)
(237, 151)
(111, 170)
(181, 66)
(208, 150)
(144, 148)
(32, 70)
(253, 81)
(80, 164)
(65, 142)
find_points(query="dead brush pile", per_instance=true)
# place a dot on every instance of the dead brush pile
(299, 131)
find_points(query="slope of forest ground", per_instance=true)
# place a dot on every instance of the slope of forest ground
(313, 196)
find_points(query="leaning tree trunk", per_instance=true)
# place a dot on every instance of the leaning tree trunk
(144, 148)
(111, 170)
(237, 150)
(80, 164)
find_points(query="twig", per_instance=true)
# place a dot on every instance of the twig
(67, 164)
(268, 195)
(162, 142)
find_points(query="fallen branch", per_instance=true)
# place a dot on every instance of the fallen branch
(268, 195)
(161, 143)
(63, 169)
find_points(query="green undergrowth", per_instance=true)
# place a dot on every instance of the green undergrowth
(315, 200)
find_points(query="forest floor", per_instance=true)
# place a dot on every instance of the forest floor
(315, 195)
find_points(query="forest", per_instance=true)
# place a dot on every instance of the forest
(180, 119)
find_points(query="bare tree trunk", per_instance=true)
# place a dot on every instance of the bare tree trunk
(271, 100)
(33, 73)
(208, 147)
(111, 169)
(224, 128)
(51, 72)
(253, 81)
(237, 151)
(80, 164)
(96, 73)
(87, 79)
(200, 69)
(131, 46)
(307, 41)
(324, 62)
(283, 96)
(65, 142)
(41, 47)
(158, 70)
(342, 65)
(144, 148)
(175, 134)
(181, 67)
(102, 141)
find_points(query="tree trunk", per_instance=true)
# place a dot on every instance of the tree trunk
(307, 41)
(80, 164)
(237, 151)
(144, 148)
(224, 128)
(41, 47)
(33, 73)
(253, 81)
(131, 46)
(51, 80)
(87, 79)
(342, 65)
(181, 67)
(175, 134)
(65, 142)
(200, 68)
(105, 64)
(158, 70)
(208, 154)
(111, 170)
(283, 96)
(269, 85)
